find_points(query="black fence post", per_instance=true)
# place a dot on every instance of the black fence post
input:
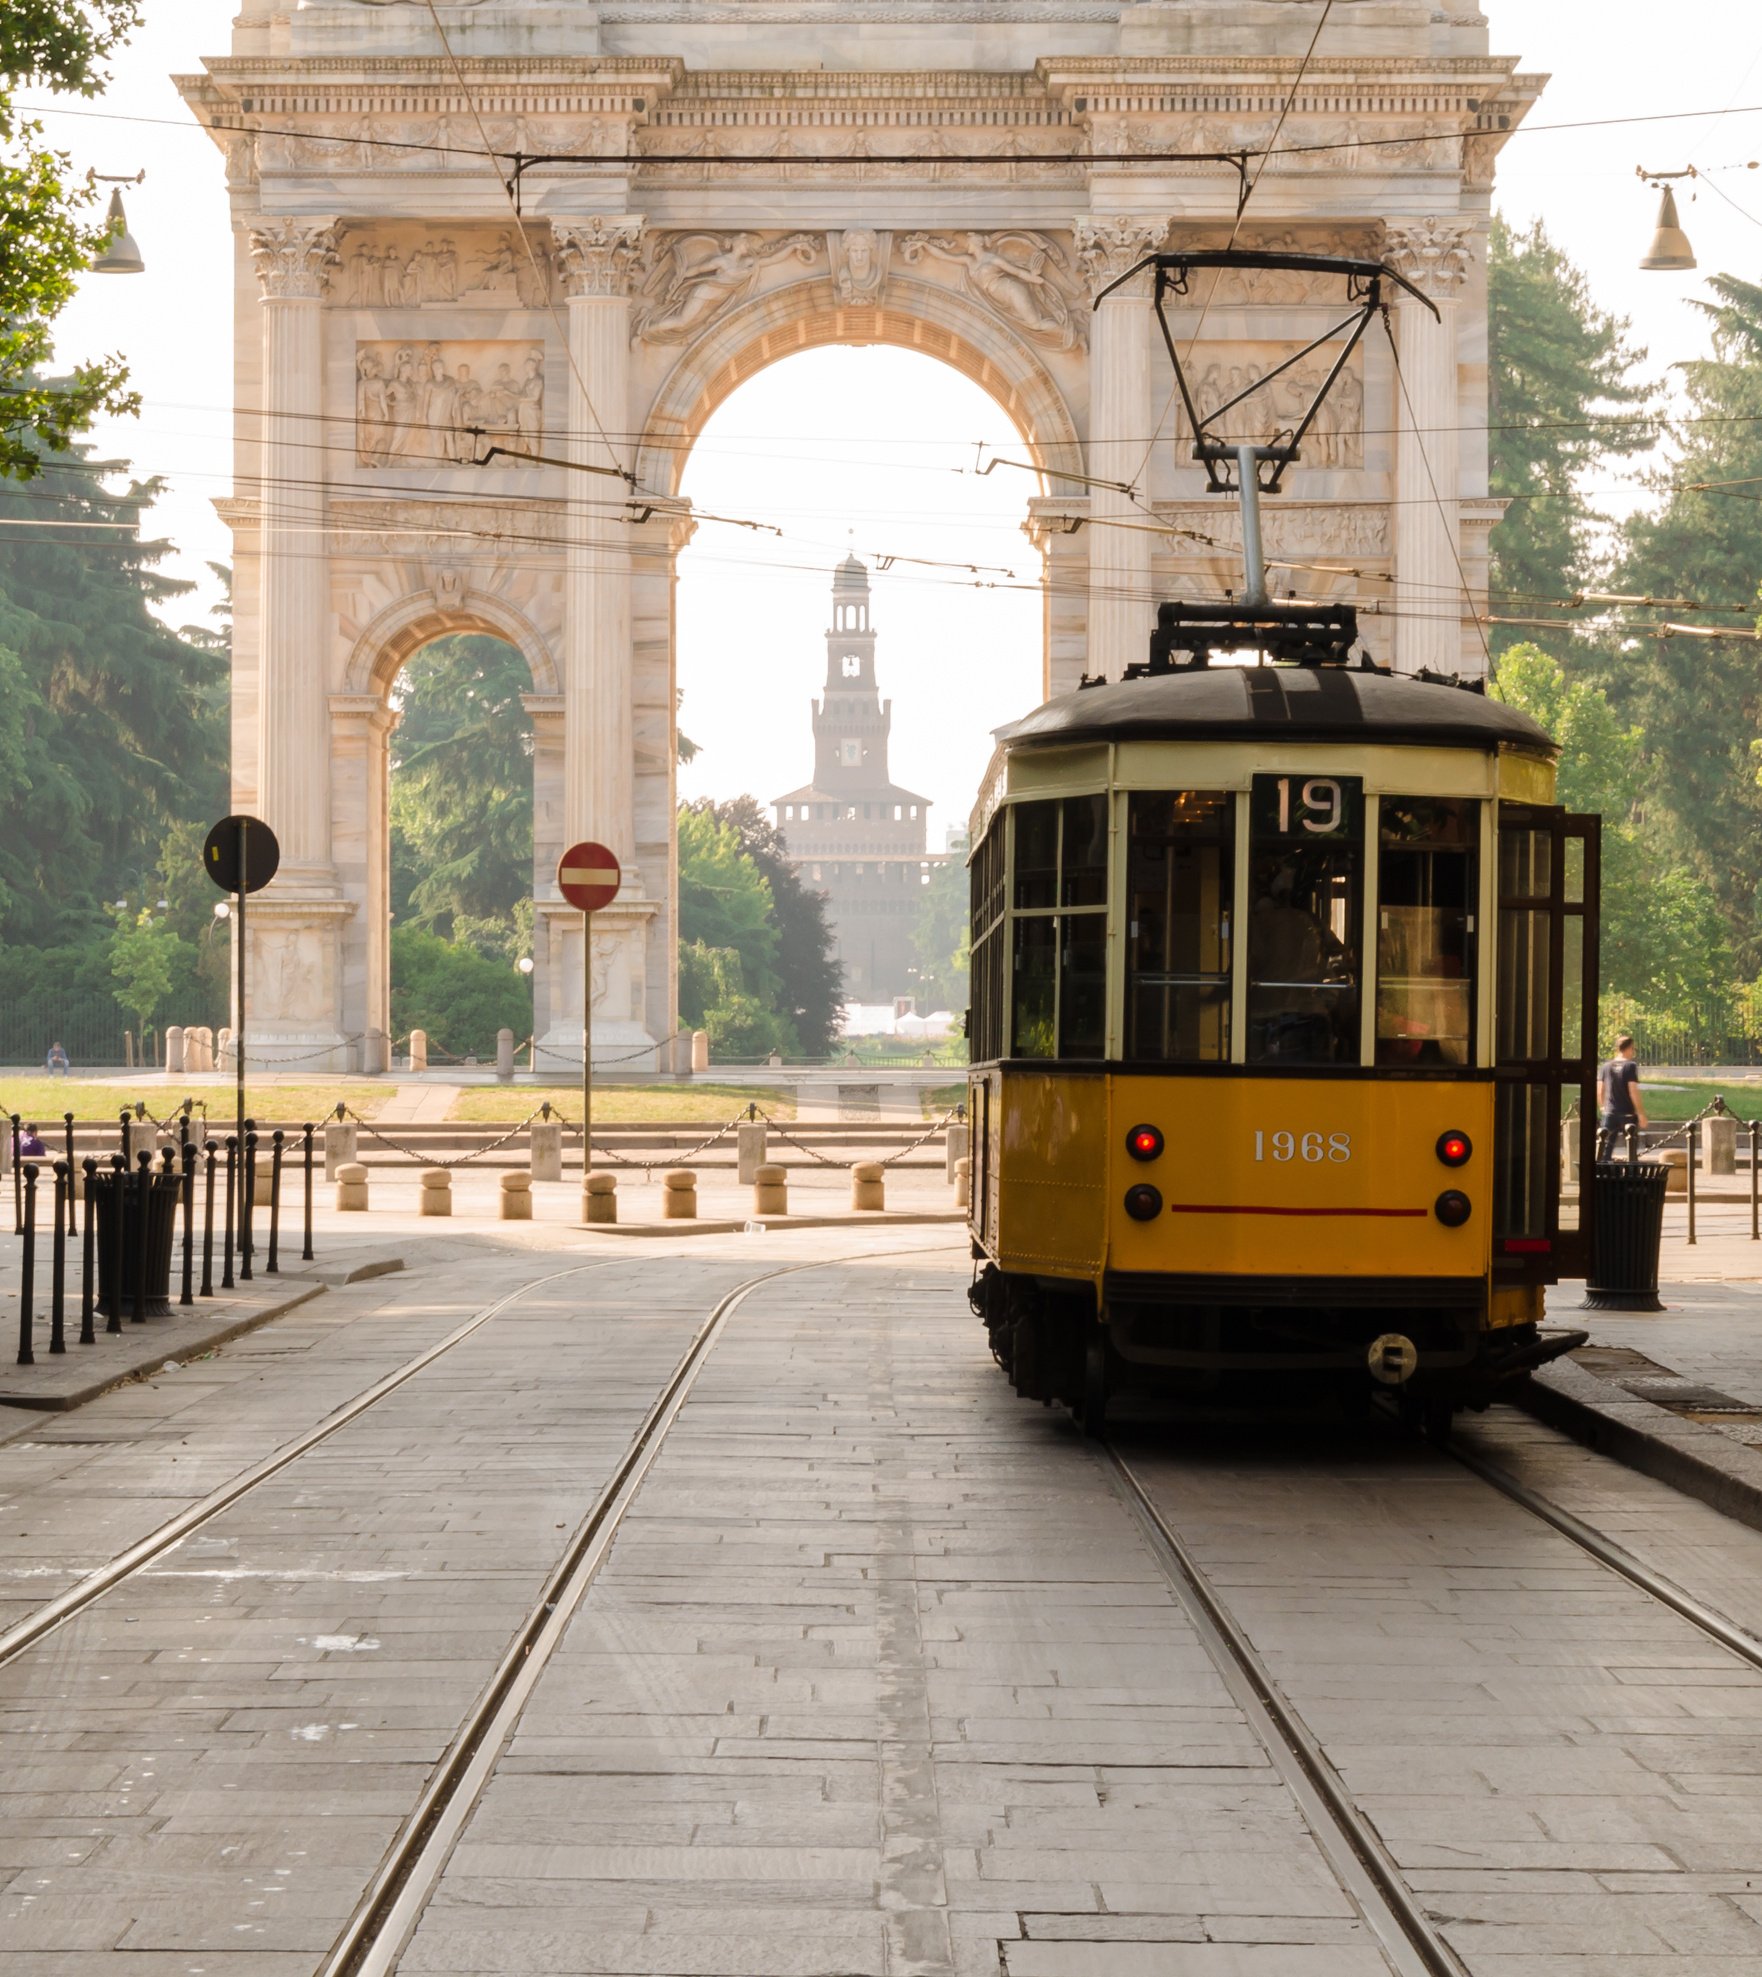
(247, 1198)
(14, 1123)
(122, 1119)
(232, 1165)
(119, 1185)
(73, 1227)
(143, 1180)
(27, 1267)
(306, 1250)
(88, 1260)
(1633, 1139)
(58, 1264)
(1694, 1137)
(188, 1189)
(276, 1144)
(1755, 1182)
(208, 1151)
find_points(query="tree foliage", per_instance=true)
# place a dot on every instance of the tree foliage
(461, 794)
(459, 997)
(1564, 397)
(942, 939)
(48, 238)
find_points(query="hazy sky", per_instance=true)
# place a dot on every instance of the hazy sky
(861, 448)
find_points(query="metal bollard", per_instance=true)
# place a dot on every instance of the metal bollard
(306, 1248)
(17, 1177)
(72, 1169)
(119, 1182)
(143, 1208)
(273, 1264)
(58, 1264)
(232, 1167)
(209, 1149)
(1633, 1139)
(1694, 1137)
(1755, 1180)
(188, 1294)
(247, 1197)
(88, 1260)
(27, 1267)
(125, 1118)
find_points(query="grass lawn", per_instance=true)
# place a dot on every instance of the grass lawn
(1667, 1102)
(709, 1104)
(44, 1100)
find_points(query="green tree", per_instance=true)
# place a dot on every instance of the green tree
(49, 238)
(942, 938)
(1664, 942)
(460, 997)
(725, 901)
(1564, 398)
(1699, 701)
(810, 978)
(461, 794)
(713, 997)
(145, 961)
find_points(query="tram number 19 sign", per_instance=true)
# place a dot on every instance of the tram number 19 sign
(588, 877)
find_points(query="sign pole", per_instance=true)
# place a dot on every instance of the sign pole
(586, 1048)
(238, 1042)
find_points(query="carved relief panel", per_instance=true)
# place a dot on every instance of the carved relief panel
(472, 267)
(446, 404)
(1275, 404)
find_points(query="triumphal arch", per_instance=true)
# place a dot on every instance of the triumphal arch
(498, 261)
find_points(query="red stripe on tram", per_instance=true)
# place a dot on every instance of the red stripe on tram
(1214, 1208)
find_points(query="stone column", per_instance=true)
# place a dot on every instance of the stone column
(1122, 612)
(596, 258)
(1056, 527)
(294, 257)
(1434, 255)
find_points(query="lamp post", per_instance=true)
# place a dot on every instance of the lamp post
(122, 256)
(1670, 252)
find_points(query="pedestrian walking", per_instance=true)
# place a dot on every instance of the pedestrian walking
(1618, 1090)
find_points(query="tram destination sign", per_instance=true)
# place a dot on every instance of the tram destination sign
(1307, 808)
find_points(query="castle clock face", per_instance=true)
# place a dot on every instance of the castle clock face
(853, 666)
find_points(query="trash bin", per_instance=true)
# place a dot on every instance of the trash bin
(1626, 1229)
(162, 1199)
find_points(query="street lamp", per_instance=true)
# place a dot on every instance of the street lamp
(1670, 252)
(524, 964)
(122, 256)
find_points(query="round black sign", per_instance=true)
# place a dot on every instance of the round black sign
(260, 859)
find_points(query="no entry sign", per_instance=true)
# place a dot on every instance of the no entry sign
(588, 877)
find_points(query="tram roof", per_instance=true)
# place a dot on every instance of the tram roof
(1286, 703)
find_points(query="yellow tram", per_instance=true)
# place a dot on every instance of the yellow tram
(1282, 1037)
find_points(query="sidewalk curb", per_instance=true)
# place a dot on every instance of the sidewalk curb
(777, 1224)
(1689, 1456)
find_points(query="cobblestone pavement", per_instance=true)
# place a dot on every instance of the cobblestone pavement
(881, 1675)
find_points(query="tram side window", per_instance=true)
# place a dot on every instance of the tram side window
(1058, 943)
(1306, 857)
(1180, 895)
(1426, 886)
(985, 1016)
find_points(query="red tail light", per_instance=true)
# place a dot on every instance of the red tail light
(1144, 1142)
(1454, 1149)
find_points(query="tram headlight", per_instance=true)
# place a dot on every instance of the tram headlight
(1143, 1203)
(1145, 1142)
(1454, 1149)
(1452, 1208)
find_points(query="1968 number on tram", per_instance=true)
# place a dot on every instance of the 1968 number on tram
(1282, 1038)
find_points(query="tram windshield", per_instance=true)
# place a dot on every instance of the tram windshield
(1305, 892)
(1426, 883)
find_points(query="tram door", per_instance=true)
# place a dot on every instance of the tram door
(1545, 1033)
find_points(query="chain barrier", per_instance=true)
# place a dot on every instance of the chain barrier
(622, 1057)
(649, 1166)
(144, 1111)
(434, 1160)
(300, 1057)
(939, 1126)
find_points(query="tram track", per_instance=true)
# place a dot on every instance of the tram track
(1354, 1849)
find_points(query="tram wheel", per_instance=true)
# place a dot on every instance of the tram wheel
(1094, 1414)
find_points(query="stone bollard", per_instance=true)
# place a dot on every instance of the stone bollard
(599, 1198)
(418, 1050)
(504, 1057)
(175, 1052)
(1720, 1137)
(700, 1050)
(351, 1186)
(963, 1182)
(868, 1185)
(957, 1147)
(341, 1138)
(437, 1191)
(547, 1149)
(679, 1196)
(516, 1197)
(770, 1191)
(1676, 1158)
(143, 1137)
(376, 1054)
(224, 1051)
(749, 1144)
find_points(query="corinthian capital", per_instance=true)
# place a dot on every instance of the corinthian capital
(294, 257)
(1434, 255)
(1107, 248)
(597, 256)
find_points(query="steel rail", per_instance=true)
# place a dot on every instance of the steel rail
(1619, 1560)
(1354, 1850)
(376, 1935)
(25, 1633)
